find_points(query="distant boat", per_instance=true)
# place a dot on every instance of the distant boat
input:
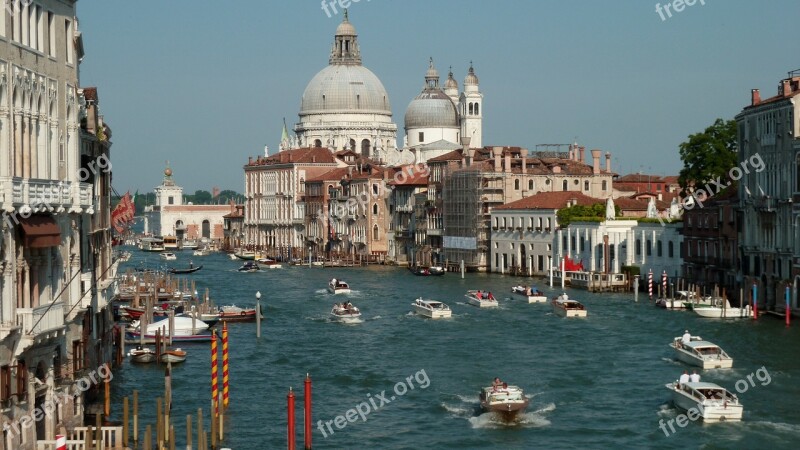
(565, 307)
(346, 312)
(338, 287)
(531, 294)
(249, 266)
(701, 353)
(233, 313)
(481, 299)
(506, 401)
(713, 402)
(185, 271)
(142, 355)
(245, 254)
(173, 356)
(190, 244)
(427, 271)
(168, 256)
(432, 309)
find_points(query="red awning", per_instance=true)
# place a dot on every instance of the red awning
(40, 231)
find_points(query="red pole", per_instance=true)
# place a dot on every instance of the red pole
(225, 364)
(214, 374)
(788, 306)
(755, 300)
(290, 425)
(307, 400)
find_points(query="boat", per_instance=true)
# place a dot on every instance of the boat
(432, 309)
(233, 313)
(245, 254)
(481, 299)
(173, 356)
(507, 401)
(530, 293)
(168, 256)
(232, 256)
(209, 319)
(191, 269)
(170, 243)
(186, 329)
(427, 271)
(249, 266)
(564, 307)
(700, 353)
(338, 287)
(346, 312)
(203, 252)
(721, 309)
(713, 402)
(190, 244)
(151, 244)
(269, 263)
(142, 355)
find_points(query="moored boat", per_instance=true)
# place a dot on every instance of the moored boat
(721, 309)
(173, 356)
(142, 355)
(481, 299)
(505, 400)
(249, 266)
(191, 269)
(190, 244)
(245, 254)
(269, 263)
(203, 251)
(427, 271)
(338, 287)
(530, 293)
(233, 313)
(565, 307)
(432, 309)
(168, 256)
(701, 353)
(346, 312)
(712, 402)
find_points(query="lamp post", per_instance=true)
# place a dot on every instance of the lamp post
(258, 314)
(309, 256)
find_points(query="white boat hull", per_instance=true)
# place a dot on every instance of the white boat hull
(720, 313)
(433, 314)
(481, 303)
(333, 290)
(569, 312)
(709, 410)
(717, 362)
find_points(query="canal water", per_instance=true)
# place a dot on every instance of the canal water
(596, 382)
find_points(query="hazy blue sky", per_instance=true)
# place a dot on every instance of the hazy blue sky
(205, 83)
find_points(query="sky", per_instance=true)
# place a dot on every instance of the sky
(204, 84)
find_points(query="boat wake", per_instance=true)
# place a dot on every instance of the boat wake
(469, 409)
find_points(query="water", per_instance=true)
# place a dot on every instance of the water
(595, 383)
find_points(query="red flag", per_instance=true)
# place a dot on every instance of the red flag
(123, 213)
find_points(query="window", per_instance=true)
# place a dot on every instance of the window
(605, 185)
(530, 185)
(421, 136)
(539, 221)
(51, 27)
(670, 250)
(375, 209)
(375, 233)
(170, 200)
(5, 383)
(648, 248)
(564, 185)
(22, 379)
(317, 143)
(585, 185)
(68, 41)
(797, 170)
(470, 109)
(659, 250)
(516, 184)
(374, 189)
(477, 109)
(638, 247)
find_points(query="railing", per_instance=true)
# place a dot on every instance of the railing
(405, 208)
(40, 319)
(45, 194)
(110, 437)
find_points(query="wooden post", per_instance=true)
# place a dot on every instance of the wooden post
(171, 437)
(88, 441)
(125, 430)
(213, 427)
(221, 419)
(188, 432)
(136, 417)
(99, 430)
(200, 432)
(147, 445)
(159, 422)
(167, 396)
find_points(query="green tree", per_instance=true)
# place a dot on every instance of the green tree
(200, 197)
(578, 212)
(709, 154)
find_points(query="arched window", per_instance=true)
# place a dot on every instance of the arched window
(504, 222)
(375, 233)
(317, 143)
(470, 109)
(375, 209)
(670, 249)
(206, 229)
(365, 148)
(605, 185)
(352, 145)
(564, 185)
(539, 222)
(638, 247)
(648, 248)
(477, 109)
(516, 184)
(585, 185)
(659, 250)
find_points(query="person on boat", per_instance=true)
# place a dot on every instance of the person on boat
(687, 337)
(505, 386)
(479, 294)
(528, 290)
(191, 264)
(496, 384)
(684, 378)
(694, 377)
(333, 282)
(490, 296)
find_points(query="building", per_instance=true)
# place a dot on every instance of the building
(524, 231)
(769, 189)
(275, 209)
(56, 265)
(345, 106)
(408, 195)
(187, 221)
(233, 228)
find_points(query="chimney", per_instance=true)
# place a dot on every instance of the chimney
(755, 97)
(249, 160)
(596, 161)
(497, 152)
(507, 162)
(571, 152)
(608, 162)
(523, 153)
(466, 153)
(582, 155)
(350, 171)
(786, 88)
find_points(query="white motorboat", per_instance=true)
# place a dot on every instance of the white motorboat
(565, 307)
(203, 251)
(184, 326)
(168, 256)
(346, 312)
(432, 309)
(173, 356)
(531, 294)
(233, 256)
(190, 244)
(505, 400)
(712, 402)
(481, 299)
(700, 353)
(142, 355)
(338, 287)
(721, 309)
(269, 263)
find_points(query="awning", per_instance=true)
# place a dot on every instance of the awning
(40, 231)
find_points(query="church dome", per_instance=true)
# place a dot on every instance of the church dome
(451, 82)
(345, 88)
(471, 79)
(346, 28)
(431, 109)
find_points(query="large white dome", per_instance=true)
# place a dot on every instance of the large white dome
(345, 89)
(431, 109)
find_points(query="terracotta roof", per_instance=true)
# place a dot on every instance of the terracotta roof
(90, 94)
(536, 165)
(345, 172)
(309, 155)
(672, 179)
(413, 176)
(639, 178)
(552, 200)
(632, 204)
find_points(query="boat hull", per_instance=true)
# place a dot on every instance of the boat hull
(133, 335)
(709, 411)
(708, 363)
(173, 357)
(431, 314)
(722, 313)
(481, 303)
(333, 290)
(142, 357)
(564, 312)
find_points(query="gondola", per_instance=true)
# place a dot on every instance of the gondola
(184, 271)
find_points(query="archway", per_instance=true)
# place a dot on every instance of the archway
(206, 229)
(365, 149)
(317, 143)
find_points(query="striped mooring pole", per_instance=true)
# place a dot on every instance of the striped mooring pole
(214, 373)
(650, 283)
(225, 364)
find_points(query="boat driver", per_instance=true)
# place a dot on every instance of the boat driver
(684, 378)
(687, 337)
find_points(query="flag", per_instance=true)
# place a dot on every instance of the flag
(123, 213)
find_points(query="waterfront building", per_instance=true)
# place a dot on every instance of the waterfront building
(345, 106)
(407, 201)
(275, 209)
(185, 220)
(56, 265)
(233, 228)
(769, 190)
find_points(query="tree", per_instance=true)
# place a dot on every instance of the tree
(200, 197)
(708, 155)
(578, 212)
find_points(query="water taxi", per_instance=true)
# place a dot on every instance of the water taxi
(338, 287)
(432, 309)
(564, 307)
(507, 401)
(700, 353)
(168, 256)
(712, 402)
(531, 294)
(346, 312)
(481, 299)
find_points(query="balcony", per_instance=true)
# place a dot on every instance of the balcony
(405, 208)
(41, 195)
(41, 322)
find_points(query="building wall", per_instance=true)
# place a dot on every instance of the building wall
(192, 217)
(523, 239)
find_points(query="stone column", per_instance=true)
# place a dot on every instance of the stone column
(26, 287)
(35, 267)
(17, 171)
(26, 146)
(644, 248)
(35, 146)
(616, 252)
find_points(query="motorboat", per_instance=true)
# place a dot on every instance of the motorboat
(338, 287)
(680, 302)
(346, 312)
(427, 271)
(507, 401)
(209, 319)
(269, 263)
(700, 353)
(691, 300)
(713, 402)
(245, 254)
(203, 252)
(721, 309)
(233, 256)
(233, 313)
(191, 269)
(168, 256)
(481, 299)
(173, 356)
(190, 244)
(142, 355)
(249, 266)
(432, 309)
(151, 244)
(186, 329)
(565, 307)
(530, 293)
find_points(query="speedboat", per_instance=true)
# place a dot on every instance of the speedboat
(168, 256)
(173, 356)
(531, 294)
(713, 402)
(233, 313)
(564, 307)
(269, 263)
(142, 355)
(432, 309)
(186, 329)
(346, 312)
(507, 401)
(427, 271)
(721, 309)
(338, 287)
(203, 252)
(245, 254)
(701, 353)
(249, 266)
(481, 299)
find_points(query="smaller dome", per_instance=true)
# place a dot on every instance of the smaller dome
(345, 28)
(431, 109)
(451, 82)
(471, 78)
(432, 72)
